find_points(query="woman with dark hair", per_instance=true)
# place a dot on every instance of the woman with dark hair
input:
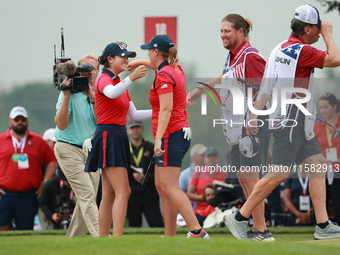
(329, 107)
(171, 132)
(110, 145)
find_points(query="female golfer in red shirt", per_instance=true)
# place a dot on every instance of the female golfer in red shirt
(171, 132)
(110, 145)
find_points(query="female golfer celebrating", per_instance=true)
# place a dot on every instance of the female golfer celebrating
(110, 150)
(171, 132)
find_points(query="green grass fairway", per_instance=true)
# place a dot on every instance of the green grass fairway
(290, 241)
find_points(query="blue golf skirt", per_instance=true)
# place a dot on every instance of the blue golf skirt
(110, 148)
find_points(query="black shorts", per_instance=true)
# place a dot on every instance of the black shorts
(290, 143)
(175, 147)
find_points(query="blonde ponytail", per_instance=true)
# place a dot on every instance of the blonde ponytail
(171, 57)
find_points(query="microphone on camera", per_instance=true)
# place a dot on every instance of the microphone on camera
(68, 68)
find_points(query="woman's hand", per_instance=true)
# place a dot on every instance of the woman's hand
(133, 65)
(158, 148)
(138, 62)
(138, 73)
(193, 96)
(87, 145)
(187, 133)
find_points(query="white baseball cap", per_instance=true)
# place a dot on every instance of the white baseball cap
(49, 134)
(18, 111)
(308, 14)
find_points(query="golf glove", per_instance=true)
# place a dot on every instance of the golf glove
(87, 145)
(187, 133)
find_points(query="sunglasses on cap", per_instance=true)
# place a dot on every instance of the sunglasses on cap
(23, 119)
(326, 95)
(121, 45)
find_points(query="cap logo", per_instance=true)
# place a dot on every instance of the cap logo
(123, 54)
(155, 45)
(122, 46)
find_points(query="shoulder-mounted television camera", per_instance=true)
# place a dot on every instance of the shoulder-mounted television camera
(65, 67)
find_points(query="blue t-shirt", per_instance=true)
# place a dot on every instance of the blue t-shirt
(82, 121)
(184, 179)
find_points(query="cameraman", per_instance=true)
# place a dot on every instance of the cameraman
(76, 121)
(57, 201)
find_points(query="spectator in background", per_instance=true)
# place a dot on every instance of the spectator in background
(202, 177)
(329, 107)
(76, 122)
(22, 154)
(197, 159)
(209, 194)
(297, 199)
(49, 137)
(57, 202)
(209, 197)
(143, 199)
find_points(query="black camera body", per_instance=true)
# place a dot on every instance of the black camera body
(65, 67)
(65, 211)
(65, 208)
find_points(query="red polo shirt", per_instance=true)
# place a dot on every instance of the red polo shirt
(108, 110)
(200, 180)
(38, 151)
(309, 59)
(169, 80)
(254, 65)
